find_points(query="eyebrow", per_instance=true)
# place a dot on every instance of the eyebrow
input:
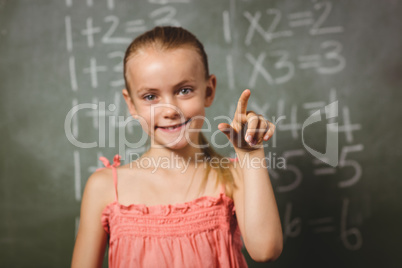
(147, 89)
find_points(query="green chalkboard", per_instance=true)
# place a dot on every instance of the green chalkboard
(329, 73)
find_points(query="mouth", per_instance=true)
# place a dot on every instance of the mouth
(173, 127)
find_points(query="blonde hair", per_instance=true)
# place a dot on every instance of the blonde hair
(167, 38)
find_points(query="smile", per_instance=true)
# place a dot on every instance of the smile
(175, 127)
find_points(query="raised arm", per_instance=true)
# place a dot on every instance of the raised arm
(91, 240)
(256, 208)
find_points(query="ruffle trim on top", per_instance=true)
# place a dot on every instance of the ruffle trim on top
(161, 211)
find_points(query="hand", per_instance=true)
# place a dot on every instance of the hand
(248, 130)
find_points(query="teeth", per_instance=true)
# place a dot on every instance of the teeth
(173, 127)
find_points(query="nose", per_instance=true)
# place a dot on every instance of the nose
(170, 110)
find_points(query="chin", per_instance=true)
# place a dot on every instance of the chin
(175, 145)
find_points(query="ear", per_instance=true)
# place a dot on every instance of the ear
(130, 103)
(210, 90)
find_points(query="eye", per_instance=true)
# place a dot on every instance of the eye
(149, 97)
(185, 90)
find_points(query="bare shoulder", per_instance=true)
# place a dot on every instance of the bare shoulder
(100, 187)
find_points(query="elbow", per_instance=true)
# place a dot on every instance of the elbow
(269, 254)
(274, 253)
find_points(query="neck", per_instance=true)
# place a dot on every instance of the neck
(190, 154)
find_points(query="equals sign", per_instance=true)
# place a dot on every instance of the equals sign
(135, 26)
(325, 170)
(300, 19)
(319, 222)
(309, 61)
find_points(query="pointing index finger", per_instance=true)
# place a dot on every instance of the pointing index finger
(241, 109)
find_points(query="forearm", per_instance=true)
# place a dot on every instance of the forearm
(261, 217)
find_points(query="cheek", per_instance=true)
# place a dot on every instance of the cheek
(197, 111)
(145, 124)
(144, 117)
(193, 109)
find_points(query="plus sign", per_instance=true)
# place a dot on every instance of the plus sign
(90, 31)
(93, 70)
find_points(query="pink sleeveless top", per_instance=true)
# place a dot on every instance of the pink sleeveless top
(199, 233)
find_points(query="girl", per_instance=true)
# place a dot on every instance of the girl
(180, 216)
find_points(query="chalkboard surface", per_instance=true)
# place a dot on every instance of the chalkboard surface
(327, 72)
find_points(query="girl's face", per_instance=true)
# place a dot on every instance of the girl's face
(169, 88)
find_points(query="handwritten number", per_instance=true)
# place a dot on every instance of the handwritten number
(168, 19)
(284, 63)
(107, 38)
(333, 55)
(315, 29)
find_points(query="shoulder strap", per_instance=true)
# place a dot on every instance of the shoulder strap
(116, 163)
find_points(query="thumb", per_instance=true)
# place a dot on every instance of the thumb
(225, 129)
